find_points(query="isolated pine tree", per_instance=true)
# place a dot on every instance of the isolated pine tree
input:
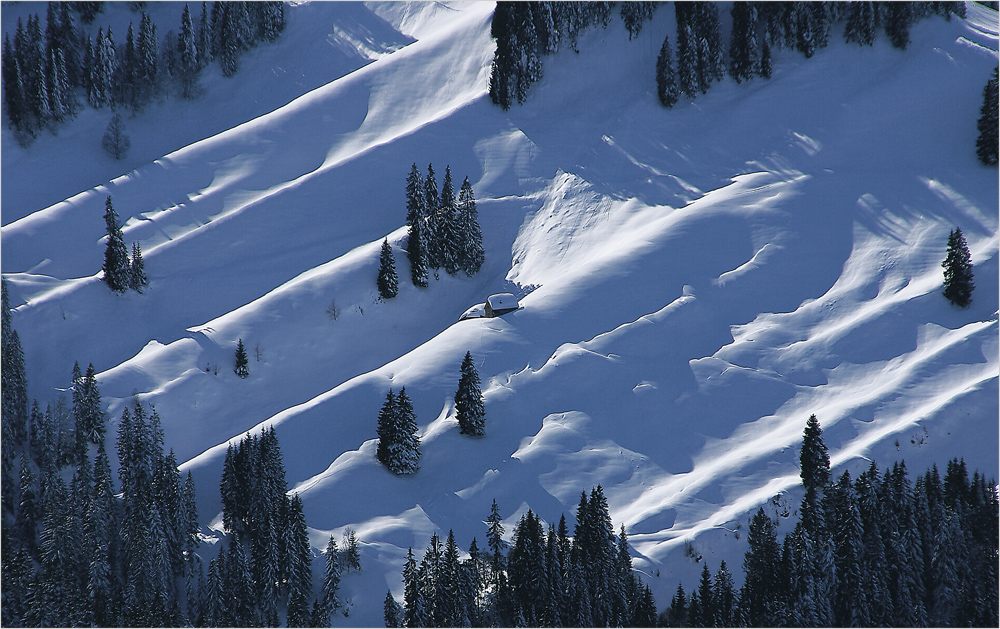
(666, 80)
(117, 268)
(987, 142)
(388, 282)
(242, 368)
(469, 400)
(115, 141)
(958, 284)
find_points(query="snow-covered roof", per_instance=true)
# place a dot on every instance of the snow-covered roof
(502, 301)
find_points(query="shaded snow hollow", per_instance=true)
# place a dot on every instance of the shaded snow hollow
(707, 277)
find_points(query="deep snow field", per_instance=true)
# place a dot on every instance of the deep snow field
(695, 282)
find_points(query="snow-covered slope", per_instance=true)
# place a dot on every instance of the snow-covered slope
(704, 278)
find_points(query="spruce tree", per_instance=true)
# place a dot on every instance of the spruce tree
(327, 602)
(242, 367)
(117, 267)
(861, 25)
(447, 226)
(398, 447)
(137, 275)
(666, 81)
(470, 254)
(469, 400)
(958, 284)
(416, 219)
(392, 612)
(987, 142)
(388, 283)
(189, 55)
(432, 201)
(744, 57)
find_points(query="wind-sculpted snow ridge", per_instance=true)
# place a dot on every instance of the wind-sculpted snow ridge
(695, 283)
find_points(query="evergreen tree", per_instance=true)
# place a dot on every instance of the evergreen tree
(327, 602)
(188, 55)
(666, 81)
(352, 556)
(398, 447)
(117, 268)
(388, 283)
(861, 24)
(676, 614)
(446, 226)
(634, 14)
(300, 573)
(392, 612)
(987, 142)
(242, 368)
(469, 400)
(958, 284)
(760, 597)
(897, 19)
(687, 57)
(416, 218)
(502, 72)
(726, 614)
(414, 608)
(138, 272)
(744, 56)
(765, 58)
(470, 255)
(432, 201)
(115, 141)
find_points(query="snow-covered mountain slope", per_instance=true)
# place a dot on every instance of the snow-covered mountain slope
(704, 278)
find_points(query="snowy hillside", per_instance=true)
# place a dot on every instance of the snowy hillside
(696, 282)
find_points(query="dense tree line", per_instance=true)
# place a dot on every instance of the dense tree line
(267, 564)
(78, 553)
(527, 31)
(444, 229)
(45, 74)
(878, 550)
(547, 579)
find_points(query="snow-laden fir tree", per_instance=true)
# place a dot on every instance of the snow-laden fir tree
(469, 406)
(351, 555)
(446, 226)
(987, 142)
(666, 80)
(469, 235)
(137, 275)
(327, 602)
(117, 267)
(958, 284)
(861, 24)
(634, 14)
(188, 56)
(392, 612)
(416, 219)
(388, 282)
(242, 367)
(398, 446)
(744, 56)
